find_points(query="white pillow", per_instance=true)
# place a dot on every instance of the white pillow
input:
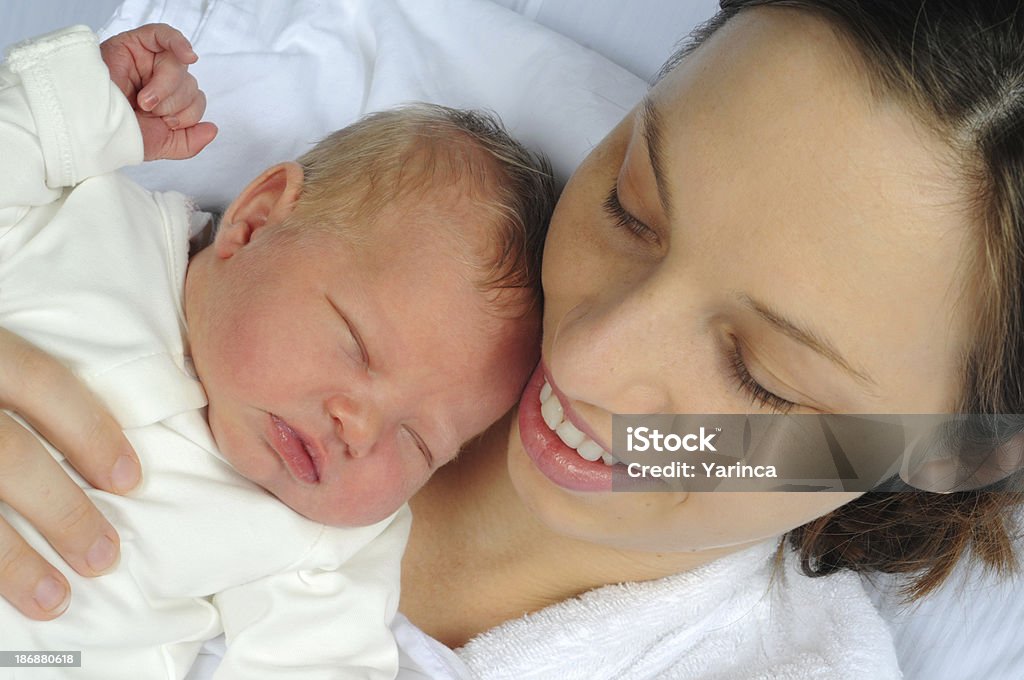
(279, 76)
(969, 629)
(639, 34)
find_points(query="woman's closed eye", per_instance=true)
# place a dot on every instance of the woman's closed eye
(748, 385)
(625, 220)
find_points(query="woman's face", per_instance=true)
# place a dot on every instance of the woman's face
(763, 234)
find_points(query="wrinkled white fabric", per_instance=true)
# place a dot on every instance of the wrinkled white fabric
(280, 76)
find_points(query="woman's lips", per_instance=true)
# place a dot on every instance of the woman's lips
(556, 461)
(292, 448)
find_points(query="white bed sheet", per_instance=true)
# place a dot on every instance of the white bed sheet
(279, 76)
(20, 19)
(638, 34)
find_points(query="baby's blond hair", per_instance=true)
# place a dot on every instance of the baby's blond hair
(352, 173)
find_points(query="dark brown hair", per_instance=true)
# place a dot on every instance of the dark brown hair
(958, 66)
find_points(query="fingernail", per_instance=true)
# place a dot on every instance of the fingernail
(148, 100)
(172, 122)
(51, 595)
(125, 474)
(101, 555)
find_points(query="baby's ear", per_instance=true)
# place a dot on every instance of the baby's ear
(267, 201)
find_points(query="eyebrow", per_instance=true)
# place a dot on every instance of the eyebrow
(650, 123)
(805, 336)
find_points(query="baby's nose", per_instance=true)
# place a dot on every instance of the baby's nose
(357, 423)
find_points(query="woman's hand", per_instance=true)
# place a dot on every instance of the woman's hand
(149, 65)
(60, 408)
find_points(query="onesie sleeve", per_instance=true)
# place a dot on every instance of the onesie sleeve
(330, 623)
(61, 119)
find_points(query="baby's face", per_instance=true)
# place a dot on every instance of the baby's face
(340, 375)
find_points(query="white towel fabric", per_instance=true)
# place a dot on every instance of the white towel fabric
(735, 618)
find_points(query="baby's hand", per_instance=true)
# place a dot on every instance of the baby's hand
(150, 66)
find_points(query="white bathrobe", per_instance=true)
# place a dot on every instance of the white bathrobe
(738, 617)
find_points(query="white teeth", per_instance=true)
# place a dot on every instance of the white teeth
(545, 392)
(552, 412)
(568, 433)
(592, 451)
(554, 417)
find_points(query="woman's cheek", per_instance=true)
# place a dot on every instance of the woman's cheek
(575, 239)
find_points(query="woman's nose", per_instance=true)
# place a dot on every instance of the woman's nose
(628, 352)
(357, 423)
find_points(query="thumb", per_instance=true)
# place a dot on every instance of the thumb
(197, 137)
(187, 142)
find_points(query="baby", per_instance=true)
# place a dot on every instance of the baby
(358, 316)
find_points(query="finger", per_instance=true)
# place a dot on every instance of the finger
(187, 142)
(28, 581)
(122, 67)
(39, 489)
(31, 382)
(180, 98)
(161, 37)
(167, 77)
(190, 114)
(182, 49)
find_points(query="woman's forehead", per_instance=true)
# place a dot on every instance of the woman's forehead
(797, 186)
(804, 140)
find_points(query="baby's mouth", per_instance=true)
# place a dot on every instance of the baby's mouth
(294, 451)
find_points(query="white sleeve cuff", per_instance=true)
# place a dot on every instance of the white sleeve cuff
(85, 125)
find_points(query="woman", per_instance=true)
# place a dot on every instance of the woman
(814, 210)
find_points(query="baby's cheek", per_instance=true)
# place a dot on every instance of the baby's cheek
(235, 443)
(494, 385)
(257, 360)
(372, 497)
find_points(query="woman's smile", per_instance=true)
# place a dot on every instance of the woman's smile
(560, 444)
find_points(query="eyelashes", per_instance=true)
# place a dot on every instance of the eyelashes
(352, 343)
(421, 445)
(624, 220)
(746, 383)
(756, 391)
